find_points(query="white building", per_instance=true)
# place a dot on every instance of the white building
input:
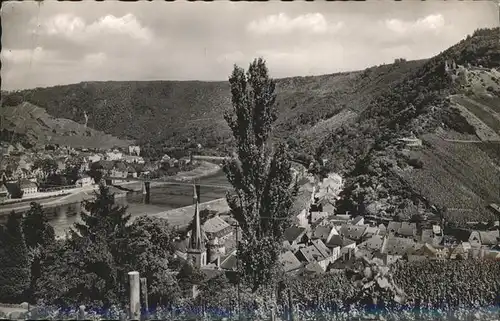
(114, 155)
(28, 187)
(134, 150)
(94, 158)
(133, 159)
(85, 180)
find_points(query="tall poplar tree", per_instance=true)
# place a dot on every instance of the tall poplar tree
(259, 173)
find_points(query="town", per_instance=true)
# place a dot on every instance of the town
(230, 161)
(322, 240)
(50, 171)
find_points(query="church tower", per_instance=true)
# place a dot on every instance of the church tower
(196, 252)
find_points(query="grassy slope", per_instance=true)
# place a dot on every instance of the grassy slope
(351, 118)
(32, 124)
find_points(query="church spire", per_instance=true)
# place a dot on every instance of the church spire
(196, 242)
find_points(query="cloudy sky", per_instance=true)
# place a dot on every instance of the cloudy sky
(59, 43)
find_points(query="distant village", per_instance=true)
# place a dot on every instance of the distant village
(32, 173)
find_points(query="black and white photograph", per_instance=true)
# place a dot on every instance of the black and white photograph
(250, 160)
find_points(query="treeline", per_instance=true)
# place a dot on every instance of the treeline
(90, 265)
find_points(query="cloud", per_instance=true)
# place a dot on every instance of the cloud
(76, 29)
(95, 58)
(432, 22)
(234, 57)
(314, 23)
(26, 56)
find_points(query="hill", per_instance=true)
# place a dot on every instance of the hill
(175, 112)
(454, 112)
(31, 125)
(353, 119)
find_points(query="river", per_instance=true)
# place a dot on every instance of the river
(162, 199)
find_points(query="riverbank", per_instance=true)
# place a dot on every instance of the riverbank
(181, 216)
(205, 169)
(70, 196)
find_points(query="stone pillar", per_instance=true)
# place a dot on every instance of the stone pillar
(81, 312)
(146, 192)
(109, 182)
(135, 295)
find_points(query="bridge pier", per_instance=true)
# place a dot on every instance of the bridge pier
(146, 192)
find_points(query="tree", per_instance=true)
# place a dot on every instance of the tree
(95, 172)
(106, 223)
(259, 174)
(38, 234)
(79, 272)
(14, 267)
(72, 171)
(47, 165)
(104, 216)
(36, 227)
(150, 251)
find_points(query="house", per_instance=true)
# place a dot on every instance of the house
(495, 208)
(318, 252)
(460, 251)
(131, 171)
(358, 220)
(382, 230)
(393, 245)
(114, 155)
(407, 230)
(134, 150)
(393, 227)
(85, 166)
(313, 268)
(436, 229)
(344, 243)
(324, 233)
(295, 235)
(373, 244)
(217, 227)
(489, 238)
(475, 239)
(370, 231)
(4, 193)
(290, 262)
(94, 158)
(317, 217)
(432, 252)
(85, 180)
(429, 236)
(165, 158)
(133, 159)
(28, 187)
(353, 232)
